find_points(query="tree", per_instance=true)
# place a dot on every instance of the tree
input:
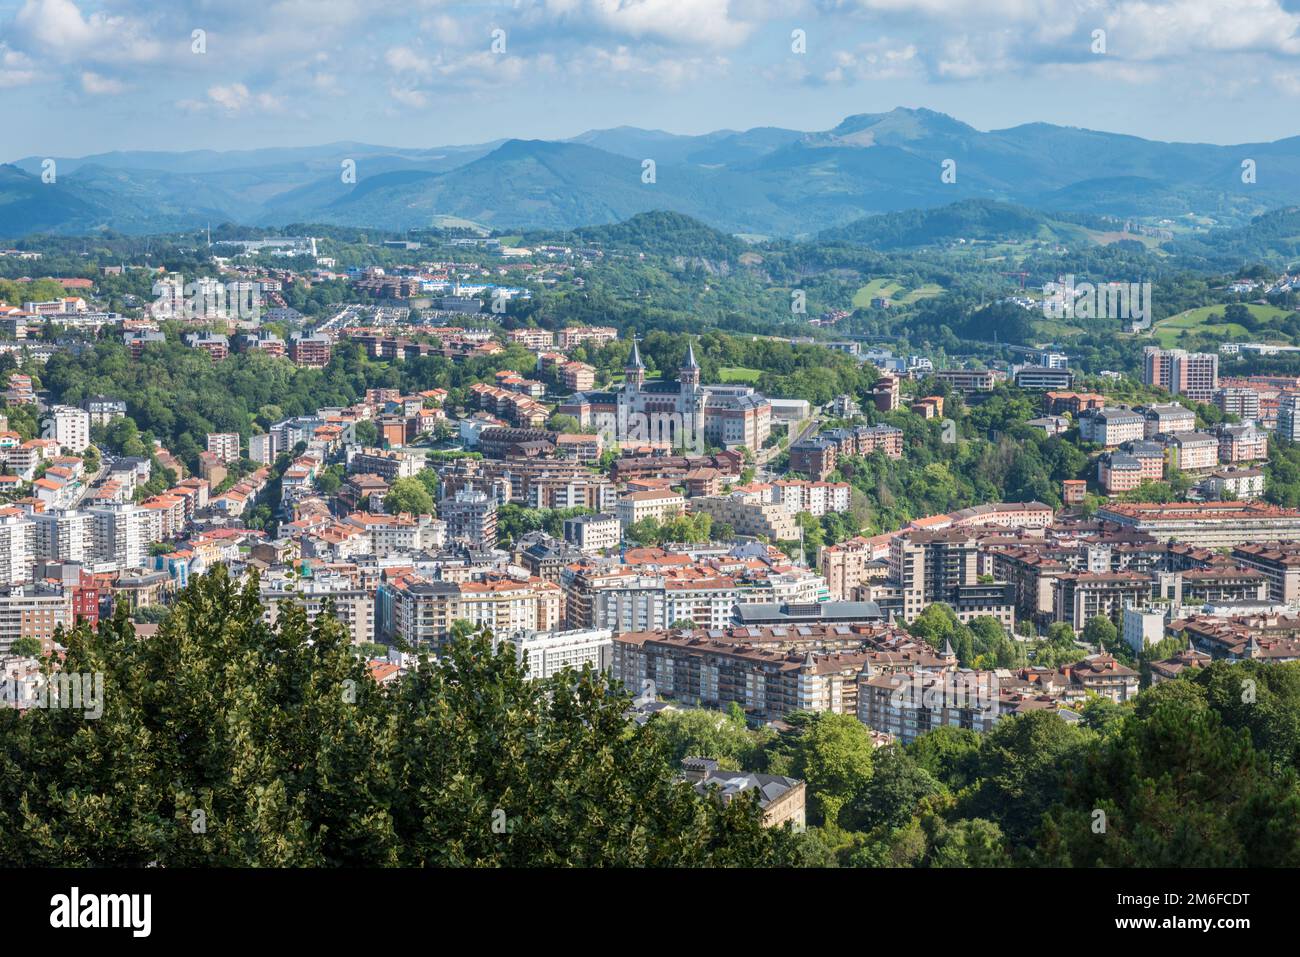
(1021, 770)
(408, 495)
(1174, 787)
(696, 732)
(26, 647)
(834, 756)
(890, 797)
(1101, 631)
(367, 433)
(228, 741)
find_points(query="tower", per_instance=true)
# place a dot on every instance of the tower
(691, 402)
(690, 371)
(634, 371)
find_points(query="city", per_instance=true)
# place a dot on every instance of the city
(771, 499)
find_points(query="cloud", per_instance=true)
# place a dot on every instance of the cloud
(233, 98)
(97, 85)
(703, 23)
(16, 69)
(58, 30)
(1144, 30)
(406, 60)
(881, 59)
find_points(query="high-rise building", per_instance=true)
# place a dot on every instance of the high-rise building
(471, 516)
(224, 445)
(71, 428)
(62, 536)
(17, 538)
(1193, 374)
(1288, 416)
(118, 539)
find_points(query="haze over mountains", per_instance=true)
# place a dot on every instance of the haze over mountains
(763, 181)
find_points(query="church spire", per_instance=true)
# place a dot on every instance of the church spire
(634, 371)
(689, 375)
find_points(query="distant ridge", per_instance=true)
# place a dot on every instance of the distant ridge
(764, 181)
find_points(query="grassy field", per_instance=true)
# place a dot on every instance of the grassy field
(921, 292)
(739, 374)
(1169, 332)
(893, 290)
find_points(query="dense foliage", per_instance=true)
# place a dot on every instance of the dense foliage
(225, 741)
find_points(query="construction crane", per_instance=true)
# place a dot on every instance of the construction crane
(1022, 275)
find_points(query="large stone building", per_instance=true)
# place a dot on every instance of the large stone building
(680, 413)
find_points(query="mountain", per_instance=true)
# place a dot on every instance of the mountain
(762, 181)
(969, 219)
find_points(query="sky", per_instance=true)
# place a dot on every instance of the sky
(79, 77)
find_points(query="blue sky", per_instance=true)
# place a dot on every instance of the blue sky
(86, 76)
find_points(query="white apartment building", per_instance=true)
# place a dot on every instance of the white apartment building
(353, 606)
(545, 653)
(62, 536)
(17, 545)
(71, 428)
(118, 537)
(399, 534)
(592, 533)
(224, 445)
(659, 505)
(263, 448)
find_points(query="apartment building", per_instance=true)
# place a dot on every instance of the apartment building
(1234, 484)
(17, 547)
(118, 539)
(471, 517)
(33, 611)
(224, 445)
(853, 562)
(1195, 374)
(1111, 427)
(404, 534)
(815, 498)
(928, 566)
(388, 464)
(353, 606)
(1167, 419)
(1241, 443)
(660, 505)
(422, 611)
(1119, 472)
(312, 352)
(1242, 402)
(1210, 524)
(969, 380)
(1279, 562)
(814, 457)
(547, 653)
(1078, 597)
(263, 448)
(747, 517)
(909, 704)
(71, 428)
(62, 536)
(1192, 451)
(593, 533)
(713, 672)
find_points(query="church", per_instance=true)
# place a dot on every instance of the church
(729, 416)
